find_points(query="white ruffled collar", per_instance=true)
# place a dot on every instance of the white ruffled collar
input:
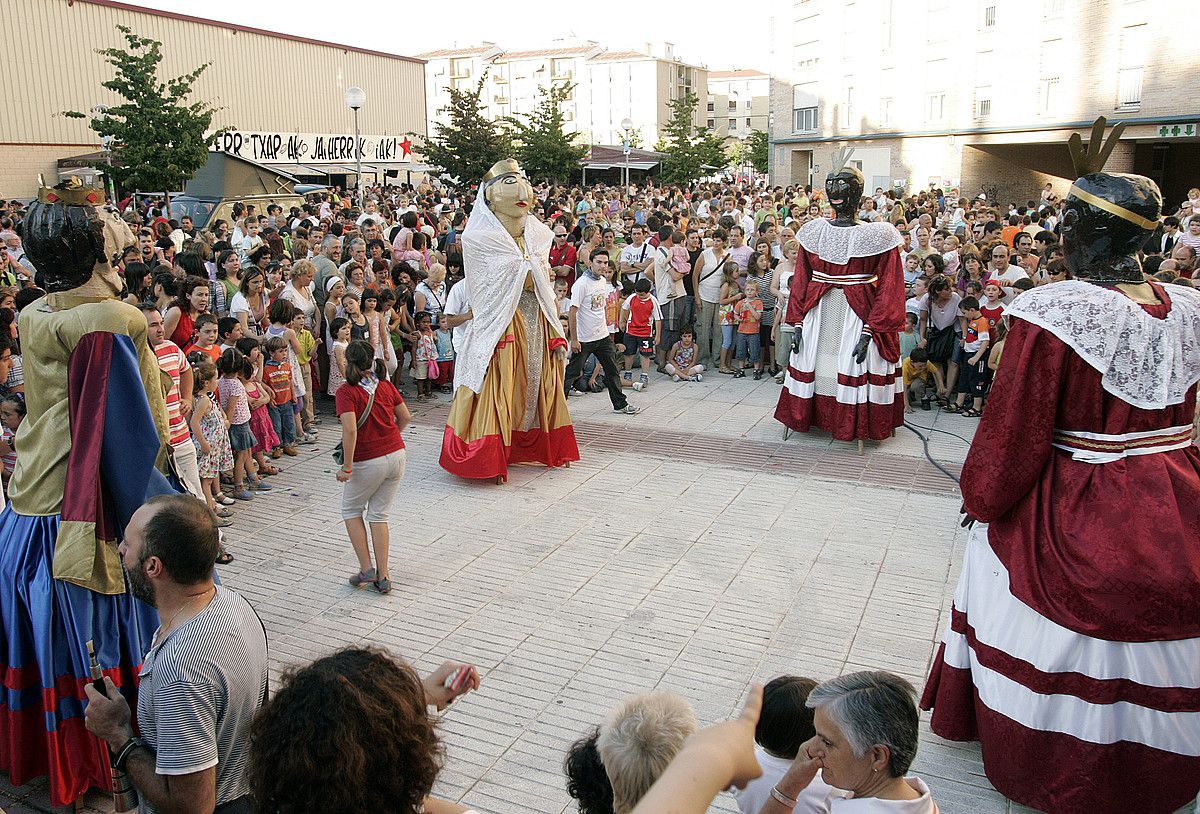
(1148, 362)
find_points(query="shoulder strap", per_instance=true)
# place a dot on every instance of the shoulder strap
(370, 403)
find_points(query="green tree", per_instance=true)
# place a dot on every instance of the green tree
(757, 150)
(688, 153)
(469, 143)
(157, 139)
(543, 148)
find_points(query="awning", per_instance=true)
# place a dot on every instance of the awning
(633, 165)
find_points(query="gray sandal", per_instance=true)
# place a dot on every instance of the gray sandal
(384, 585)
(362, 578)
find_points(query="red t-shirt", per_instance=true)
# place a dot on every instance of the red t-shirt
(213, 351)
(279, 377)
(378, 436)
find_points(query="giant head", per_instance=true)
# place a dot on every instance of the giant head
(69, 240)
(844, 186)
(1106, 216)
(507, 191)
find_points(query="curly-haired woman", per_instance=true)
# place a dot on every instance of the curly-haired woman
(351, 733)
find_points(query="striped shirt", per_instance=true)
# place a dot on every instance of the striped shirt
(199, 689)
(173, 363)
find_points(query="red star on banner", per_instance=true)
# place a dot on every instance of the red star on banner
(406, 146)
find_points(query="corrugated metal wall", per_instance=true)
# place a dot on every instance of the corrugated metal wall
(259, 82)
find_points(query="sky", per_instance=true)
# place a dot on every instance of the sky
(701, 34)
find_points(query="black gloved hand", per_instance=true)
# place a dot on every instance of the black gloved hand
(860, 350)
(797, 336)
(968, 521)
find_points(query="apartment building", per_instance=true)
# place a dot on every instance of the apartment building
(610, 86)
(981, 95)
(739, 103)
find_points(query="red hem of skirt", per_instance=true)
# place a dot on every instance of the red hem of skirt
(845, 422)
(488, 457)
(1054, 771)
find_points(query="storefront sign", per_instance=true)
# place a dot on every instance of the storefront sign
(312, 148)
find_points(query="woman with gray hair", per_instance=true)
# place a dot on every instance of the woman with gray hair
(866, 740)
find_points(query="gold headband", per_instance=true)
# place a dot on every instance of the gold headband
(71, 193)
(1110, 207)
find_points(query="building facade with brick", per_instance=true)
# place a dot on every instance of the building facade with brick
(305, 129)
(981, 95)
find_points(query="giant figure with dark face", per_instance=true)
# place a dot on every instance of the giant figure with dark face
(847, 303)
(1072, 651)
(89, 447)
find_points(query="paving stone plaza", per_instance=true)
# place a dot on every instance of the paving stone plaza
(691, 549)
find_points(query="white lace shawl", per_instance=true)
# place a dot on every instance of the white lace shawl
(837, 244)
(495, 269)
(1147, 362)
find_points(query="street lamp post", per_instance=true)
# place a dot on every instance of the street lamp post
(356, 98)
(626, 129)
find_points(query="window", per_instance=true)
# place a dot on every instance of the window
(711, 106)
(989, 17)
(983, 102)
(1050, 77)
(1049, 91)
(712, 124)
(848, 108)
(936, 107)
(804, 119)
(733, 104)
(748, 103)
(1135, 44)
(460, 68)
(560, 68)
(747, 123)
(886, 106)
(733, 124)
(1053, 8)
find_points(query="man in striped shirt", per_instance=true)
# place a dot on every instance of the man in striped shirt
(205, 675)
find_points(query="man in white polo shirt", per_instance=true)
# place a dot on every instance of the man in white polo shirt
(588, 329)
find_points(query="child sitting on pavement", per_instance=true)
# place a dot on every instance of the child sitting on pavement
(681, 361)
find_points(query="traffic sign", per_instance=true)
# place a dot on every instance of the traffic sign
(1178, 130)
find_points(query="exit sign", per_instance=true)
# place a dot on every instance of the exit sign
(1178, 130)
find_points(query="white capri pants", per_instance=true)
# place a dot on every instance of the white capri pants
(372, 487)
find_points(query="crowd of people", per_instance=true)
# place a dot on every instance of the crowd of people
(257, 321)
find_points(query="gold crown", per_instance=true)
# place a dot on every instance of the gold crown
(71, 193)
(506, 166)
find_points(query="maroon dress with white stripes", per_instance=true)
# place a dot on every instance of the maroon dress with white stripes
(1073, 648)
(849, 280)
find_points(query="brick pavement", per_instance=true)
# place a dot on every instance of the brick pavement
(691, 549)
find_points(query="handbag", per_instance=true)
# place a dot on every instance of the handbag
(940, 343)
(434, 370)
(339, 454)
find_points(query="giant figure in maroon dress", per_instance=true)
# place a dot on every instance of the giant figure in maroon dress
(1072, 651)
(847, 303)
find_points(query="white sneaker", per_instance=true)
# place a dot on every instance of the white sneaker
(675, 377)
(699, 377)
(628, 409)
(638, 386)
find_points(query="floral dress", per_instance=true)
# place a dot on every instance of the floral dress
(212, 426)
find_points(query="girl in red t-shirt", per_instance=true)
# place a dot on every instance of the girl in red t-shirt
(373, 460)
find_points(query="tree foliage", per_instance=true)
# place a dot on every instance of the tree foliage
(544, 149)
(758, 150)
(688, 152)
(157, 139)
(469, 143)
